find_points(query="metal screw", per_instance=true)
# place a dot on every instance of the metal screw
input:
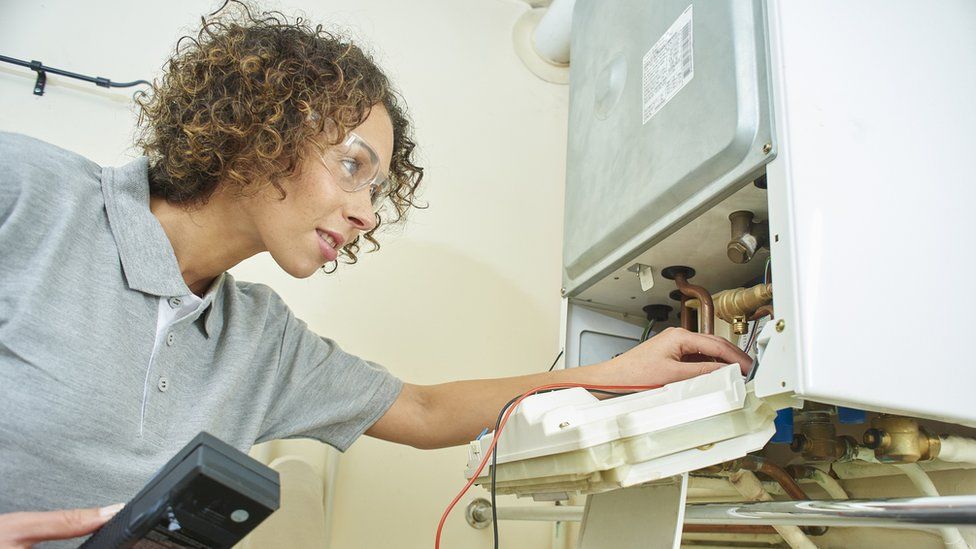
(564, 424)
(562, 292)
(780, 325)
(767, 148)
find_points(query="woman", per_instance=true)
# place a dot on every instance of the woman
(122, 335)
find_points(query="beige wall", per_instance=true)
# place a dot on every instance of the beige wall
(469, 288)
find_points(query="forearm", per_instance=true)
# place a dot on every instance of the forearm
(458, 411)
(435, 416)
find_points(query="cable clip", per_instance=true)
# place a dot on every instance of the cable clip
(38, 67)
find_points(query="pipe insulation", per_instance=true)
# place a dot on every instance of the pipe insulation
(951, 536)
(958, 449)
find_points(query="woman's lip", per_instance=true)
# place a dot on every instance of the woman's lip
(328, 252)
(336, 237)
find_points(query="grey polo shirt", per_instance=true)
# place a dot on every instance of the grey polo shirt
(84, 417)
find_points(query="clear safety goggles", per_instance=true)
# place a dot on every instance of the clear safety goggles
(356, 166)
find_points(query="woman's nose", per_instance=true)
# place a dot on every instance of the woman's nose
(359, 212)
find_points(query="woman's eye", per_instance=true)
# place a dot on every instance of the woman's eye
(351, 165)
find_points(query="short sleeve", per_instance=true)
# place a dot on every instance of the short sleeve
(324, 393)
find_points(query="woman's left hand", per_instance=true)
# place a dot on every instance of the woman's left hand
(673, 355)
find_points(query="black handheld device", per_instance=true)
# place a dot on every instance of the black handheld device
(209, 495)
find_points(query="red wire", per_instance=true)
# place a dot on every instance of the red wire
(501, 425)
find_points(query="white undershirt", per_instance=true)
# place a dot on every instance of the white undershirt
(171, 310)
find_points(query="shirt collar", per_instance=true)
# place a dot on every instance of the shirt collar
(214, 303)
(148, 260)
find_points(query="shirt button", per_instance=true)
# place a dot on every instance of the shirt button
(175, 302)
(163, 384)
(170, 338)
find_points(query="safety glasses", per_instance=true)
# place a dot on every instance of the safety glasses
(356, 166)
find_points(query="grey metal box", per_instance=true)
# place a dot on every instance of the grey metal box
(632, 179)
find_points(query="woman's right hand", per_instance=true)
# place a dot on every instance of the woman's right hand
(23, 530)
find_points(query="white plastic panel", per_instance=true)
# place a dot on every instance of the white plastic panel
(872, 200)
(564, 421)
(569, 442)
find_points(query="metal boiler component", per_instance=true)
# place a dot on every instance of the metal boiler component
(816, 436)
(747, 237)
(897, 439)
(739, 305)
(906, 513)
(680, 275)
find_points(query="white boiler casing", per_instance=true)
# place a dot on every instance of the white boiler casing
(862, 117)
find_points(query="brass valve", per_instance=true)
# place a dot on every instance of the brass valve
(735, 306)
(897, 439)
(816, 436)
(747, 237)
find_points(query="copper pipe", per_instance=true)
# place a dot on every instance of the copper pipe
(761, 312)
(757, 464)
(686, 314)
(707, 308)
(727, 529)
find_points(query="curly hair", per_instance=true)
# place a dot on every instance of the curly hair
(241, 105)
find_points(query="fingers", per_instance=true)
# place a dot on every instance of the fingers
(713, 346)
(51, 525)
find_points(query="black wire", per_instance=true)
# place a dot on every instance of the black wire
(97, 80)
(494, 453)
(555, 361)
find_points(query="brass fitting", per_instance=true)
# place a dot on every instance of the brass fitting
(735, 306)
(897, 439)
(747, 237)
(739, 325)
(816, 438)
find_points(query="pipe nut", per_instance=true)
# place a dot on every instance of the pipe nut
(738, 252)
(874, 438)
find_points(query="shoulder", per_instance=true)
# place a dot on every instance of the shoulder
(41, 176)
(252, 303)
(21, 154)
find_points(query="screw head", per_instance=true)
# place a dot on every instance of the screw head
(562, 291)
(564, 424)
(780, 325)
(799, 443)
(767, 148)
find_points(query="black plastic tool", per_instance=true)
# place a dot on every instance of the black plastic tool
(209, 495)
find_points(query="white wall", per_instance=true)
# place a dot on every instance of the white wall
(470, 288)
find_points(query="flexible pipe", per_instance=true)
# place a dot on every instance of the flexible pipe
(829, 484)
(951, 536)
(825, 481)
(761, 312)
(551, 38)
(958, 449)
(749, 486)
